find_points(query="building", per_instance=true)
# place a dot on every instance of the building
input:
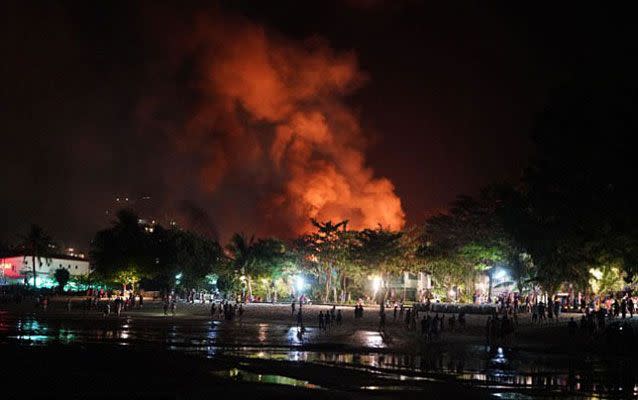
(18, 269)
(410, 286)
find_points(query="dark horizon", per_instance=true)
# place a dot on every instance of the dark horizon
(109, 100)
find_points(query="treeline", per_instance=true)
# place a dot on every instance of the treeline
(569, 220)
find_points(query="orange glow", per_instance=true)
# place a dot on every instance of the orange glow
(272, 108)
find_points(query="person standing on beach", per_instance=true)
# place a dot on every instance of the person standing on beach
(299, 318)
(173, 306)
(293, 307)
(166, 307)
(339, 318)
(381, 320)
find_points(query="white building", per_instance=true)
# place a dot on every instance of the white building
(19, 268)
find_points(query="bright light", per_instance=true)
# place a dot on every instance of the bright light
(500, 274)
(299, 283)
(451, 293)
(376, 283)
(178, 276)
(596, 273)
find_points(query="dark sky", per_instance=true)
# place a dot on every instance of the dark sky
(449, 98)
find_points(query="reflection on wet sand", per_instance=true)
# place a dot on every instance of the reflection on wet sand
(498, 369)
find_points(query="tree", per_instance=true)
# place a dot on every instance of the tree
(328, 253)
(380, 252)
(62, 277)
(123, 253)
(577, 207)
(38, 244)
(471, 238)
(251, 258)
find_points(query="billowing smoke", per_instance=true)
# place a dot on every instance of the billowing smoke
(268, 130)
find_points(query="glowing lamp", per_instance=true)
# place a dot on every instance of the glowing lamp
(299, 283)
(376, 283)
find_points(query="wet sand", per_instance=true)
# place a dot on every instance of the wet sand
(192, 356)
(363, 333)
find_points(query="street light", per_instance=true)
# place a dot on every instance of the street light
(299, 283)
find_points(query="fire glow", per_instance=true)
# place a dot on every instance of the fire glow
(271, 115)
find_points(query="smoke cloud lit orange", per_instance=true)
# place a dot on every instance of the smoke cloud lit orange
(269, 114)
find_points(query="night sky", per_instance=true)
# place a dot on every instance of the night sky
(403, 100)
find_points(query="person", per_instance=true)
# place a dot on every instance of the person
(488, 330)
(396, 309)
(623, 308)
(451, 322)
(68, 305)
(241, 310)
(425, 325)
(107, 309)
(173, 306)
(408, 317)
(166, 304)
(213, 309)
(462, 320)
(119, 303)
(381, 320)
(571, 326)
(339, 318)
(293, 305)
(299, 319)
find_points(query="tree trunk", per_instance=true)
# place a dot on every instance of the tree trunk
(489, 289)
(405, 287)
(250, 289)
(328, 281)
(34, 270)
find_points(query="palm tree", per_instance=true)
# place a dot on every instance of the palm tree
(38, 244)
(241, 252)
(253, 257)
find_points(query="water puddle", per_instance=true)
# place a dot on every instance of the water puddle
(247, 376)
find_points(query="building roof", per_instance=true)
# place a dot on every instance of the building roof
(50, 256)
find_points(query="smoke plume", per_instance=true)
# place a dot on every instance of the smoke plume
(266, 127)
